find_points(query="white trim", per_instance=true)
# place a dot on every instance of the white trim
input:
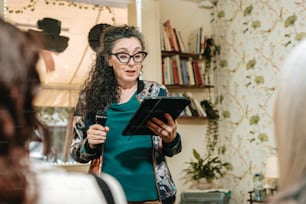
(112, 3)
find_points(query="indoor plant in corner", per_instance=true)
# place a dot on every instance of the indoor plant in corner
(202, 171)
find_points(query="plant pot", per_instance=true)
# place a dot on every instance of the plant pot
(203, 184)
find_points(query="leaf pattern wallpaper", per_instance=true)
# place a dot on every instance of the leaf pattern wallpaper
(255, 37)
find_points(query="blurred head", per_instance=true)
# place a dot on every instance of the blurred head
(19, 82)
(290, 118)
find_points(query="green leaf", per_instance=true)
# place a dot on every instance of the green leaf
(254, 120)
(248, 10)
(251, 64)
(290, 21)
(256, 24)
(196, 155)
(263, 137)
(226, 114)
(259, 79)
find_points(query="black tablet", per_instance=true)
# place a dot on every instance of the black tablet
(154, 107)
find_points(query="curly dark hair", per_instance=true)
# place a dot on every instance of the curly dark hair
(101, 88)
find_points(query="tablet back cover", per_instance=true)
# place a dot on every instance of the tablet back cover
(154, 107)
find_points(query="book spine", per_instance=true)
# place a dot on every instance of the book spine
(184, 72)
(171, 35)
(197, 73)
(190, 72)
(176, 80)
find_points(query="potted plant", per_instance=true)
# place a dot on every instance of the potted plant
(203, 170)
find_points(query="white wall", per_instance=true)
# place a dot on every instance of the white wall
(1, 8)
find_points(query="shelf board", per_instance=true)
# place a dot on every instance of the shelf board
(181, 54)
(192, 118)
(188, 86)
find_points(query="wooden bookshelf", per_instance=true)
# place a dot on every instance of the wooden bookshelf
(188, 87)
(183, 71)
(181, 54)
(192, 118)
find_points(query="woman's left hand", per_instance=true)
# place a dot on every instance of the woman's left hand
(167, 131)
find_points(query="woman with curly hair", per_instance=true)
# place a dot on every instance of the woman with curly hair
(114, 86)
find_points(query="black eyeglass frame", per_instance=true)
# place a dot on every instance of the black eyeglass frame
(130, 56)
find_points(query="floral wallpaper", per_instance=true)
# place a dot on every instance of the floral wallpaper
(255, 38)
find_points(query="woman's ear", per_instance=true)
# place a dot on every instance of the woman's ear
(108, 59)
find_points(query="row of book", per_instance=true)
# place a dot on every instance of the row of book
(182, 71)
(194, 109)
(172, 40)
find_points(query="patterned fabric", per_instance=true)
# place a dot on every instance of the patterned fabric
(164, 181)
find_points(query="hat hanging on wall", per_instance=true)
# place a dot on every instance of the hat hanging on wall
(50, 34)
(95, 34)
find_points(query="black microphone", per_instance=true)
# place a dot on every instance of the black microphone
(101, 117)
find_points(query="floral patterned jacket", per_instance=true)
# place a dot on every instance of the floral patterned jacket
(164, 181)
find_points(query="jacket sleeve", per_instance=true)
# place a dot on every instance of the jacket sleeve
(79, 148)
(175, 147)
(172, 148)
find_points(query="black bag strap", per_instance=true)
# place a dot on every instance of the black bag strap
(105, 189)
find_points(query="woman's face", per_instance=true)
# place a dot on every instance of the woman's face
(126, 73)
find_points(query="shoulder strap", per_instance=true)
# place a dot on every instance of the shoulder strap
(105, 189)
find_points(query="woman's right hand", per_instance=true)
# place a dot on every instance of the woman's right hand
(96, 134)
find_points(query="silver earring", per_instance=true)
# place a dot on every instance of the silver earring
(140, 75)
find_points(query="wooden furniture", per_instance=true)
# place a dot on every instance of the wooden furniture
(205, 197)
(267, 192)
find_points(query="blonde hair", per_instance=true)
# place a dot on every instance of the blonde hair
(290, 118)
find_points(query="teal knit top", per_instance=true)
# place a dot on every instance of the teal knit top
(129, 158)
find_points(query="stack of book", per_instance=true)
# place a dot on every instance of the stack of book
(179, 71)
(194, 108)
(172, 40)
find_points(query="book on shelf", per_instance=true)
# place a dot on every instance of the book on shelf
(175, 71)
(168, 74)
(190, 72)
(171, 36)
(184, 72)
(165, 44)
(152, 107)
(201, 65)
(199, 108)
(194, 109)
(195, 106)
(164, 72)
(179, 40)
(196, 41)
(179, 69)
(197, 73)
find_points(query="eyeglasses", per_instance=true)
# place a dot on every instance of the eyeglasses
(125, 58)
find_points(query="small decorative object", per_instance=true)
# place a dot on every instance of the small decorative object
(95, 34)
(259, 191)
(272, 172)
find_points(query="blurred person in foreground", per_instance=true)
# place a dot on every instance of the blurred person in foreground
(22, 181)
(290, 128)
